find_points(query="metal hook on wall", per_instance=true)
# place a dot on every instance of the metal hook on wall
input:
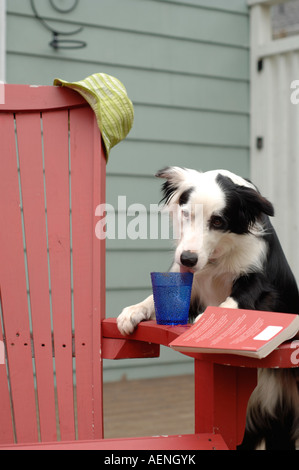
(56, 42)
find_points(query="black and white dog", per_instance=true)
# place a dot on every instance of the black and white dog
(228, 242)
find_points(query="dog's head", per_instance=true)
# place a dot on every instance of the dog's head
(211, 211)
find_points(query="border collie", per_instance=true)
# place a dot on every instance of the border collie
(228, 242)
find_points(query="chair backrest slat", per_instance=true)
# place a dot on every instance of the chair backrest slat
(99, 285)
(30, 151)
(14, 289)
(52, 267)
(83, 235)
(57, 182)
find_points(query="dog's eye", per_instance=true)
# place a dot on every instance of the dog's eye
(217, 222)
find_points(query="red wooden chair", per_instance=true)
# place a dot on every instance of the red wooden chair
(52, 280)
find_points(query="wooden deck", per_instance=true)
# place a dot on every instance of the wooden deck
(149, 407)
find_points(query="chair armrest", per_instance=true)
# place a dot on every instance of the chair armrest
(144, 342)
(148, 332)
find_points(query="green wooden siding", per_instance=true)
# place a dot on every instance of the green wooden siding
(185, 65)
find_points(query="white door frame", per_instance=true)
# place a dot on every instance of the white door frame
(274, 124)
(2, 40)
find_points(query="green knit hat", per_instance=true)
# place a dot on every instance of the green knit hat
(109, 100)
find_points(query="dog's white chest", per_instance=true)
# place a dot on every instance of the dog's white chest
(211, 289)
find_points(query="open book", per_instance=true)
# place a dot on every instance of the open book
(234, 331)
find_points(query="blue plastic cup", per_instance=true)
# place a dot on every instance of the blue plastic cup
(172, 294)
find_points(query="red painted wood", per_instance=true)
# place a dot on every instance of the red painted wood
(99, 281)
(222, 393)
(56, 155)
(126, 349)
(32, 182)
(86, 309)
(204, 396)
(225, 403)
(177, 443)
(27, 98)
(14, 290)
(147, 331)
(232, 388)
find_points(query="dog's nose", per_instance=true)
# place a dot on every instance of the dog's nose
(189, 259)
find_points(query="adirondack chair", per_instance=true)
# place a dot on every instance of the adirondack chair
(52, 280)
(52, 294)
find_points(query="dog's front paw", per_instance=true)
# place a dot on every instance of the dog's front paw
(229, 303)
(131, 316)
(198, 317)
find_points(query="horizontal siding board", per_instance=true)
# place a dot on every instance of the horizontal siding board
(144, 191)
(147, 244)
(185, 91)
(127, 270)
(237, 7)
(116, 300)
(137, 158)
(233, 6)
(155, 18)
(153, 123)
(120, 48)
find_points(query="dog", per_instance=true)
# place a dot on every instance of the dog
(229, 243)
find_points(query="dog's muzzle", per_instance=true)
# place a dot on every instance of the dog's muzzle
(188, 259)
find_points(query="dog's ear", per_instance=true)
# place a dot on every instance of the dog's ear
(253, 204)
(174, 176)
(245, 205)
(255, 201)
